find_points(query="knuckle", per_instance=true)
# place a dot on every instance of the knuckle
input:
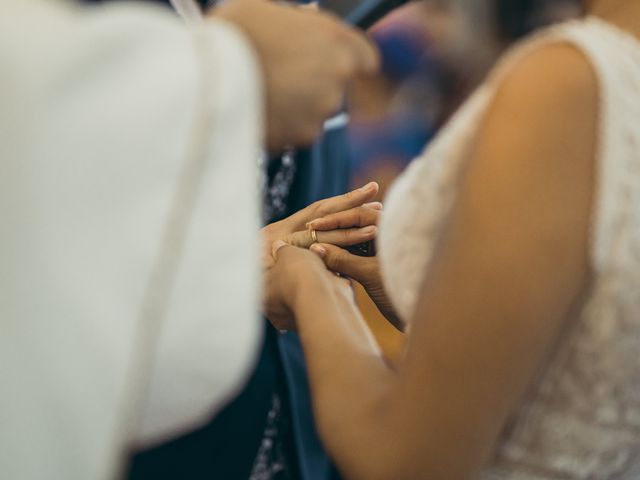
(369, 216)
(332, 263)
(290, 239)
(315, 206)
(336, 260)
(302, 239)
(287, 239)
(350, 234)
(350, 196)
(322, 210)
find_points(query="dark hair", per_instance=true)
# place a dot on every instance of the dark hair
(513, 17)
(517, 18)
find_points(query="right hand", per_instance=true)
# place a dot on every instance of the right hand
(308, 58)
(364, 270)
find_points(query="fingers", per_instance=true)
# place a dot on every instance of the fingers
(301, 239)
(348, 237)
(365, 55)
(322, 208)
(356, 217)
(374, 205)
(349, 200)
(276, 247)
(267, 260)
(341, 237)
(339, 260)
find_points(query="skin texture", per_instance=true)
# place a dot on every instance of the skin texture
(293, 230)
(306, 71)
(364, 270)
(512, 264)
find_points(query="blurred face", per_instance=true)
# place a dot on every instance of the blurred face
(471, 33)
(461, 32)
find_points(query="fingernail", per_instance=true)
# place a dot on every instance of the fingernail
(369, 186)
(277, 245)
(370, 229)
(312, 223)
(373, 205)
(319, 249)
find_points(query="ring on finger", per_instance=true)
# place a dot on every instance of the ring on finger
(314, 236)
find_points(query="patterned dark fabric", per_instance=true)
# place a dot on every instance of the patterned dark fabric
(273, 461)
(277, 176)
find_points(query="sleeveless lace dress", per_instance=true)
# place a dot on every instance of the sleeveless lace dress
(581, 419)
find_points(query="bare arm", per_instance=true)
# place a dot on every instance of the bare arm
(512, 262)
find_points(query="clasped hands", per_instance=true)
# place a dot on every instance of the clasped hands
(308, 247)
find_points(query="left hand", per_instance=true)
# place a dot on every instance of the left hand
(293, 230)
(293, 270)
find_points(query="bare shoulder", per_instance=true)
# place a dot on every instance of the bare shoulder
(544, 116)
(556, 81)
(561, 63)
(535, 155)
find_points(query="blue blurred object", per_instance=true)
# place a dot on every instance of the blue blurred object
(397, 139)
(403, 50)
(416, 74)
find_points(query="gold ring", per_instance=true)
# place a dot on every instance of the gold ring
(314, 236)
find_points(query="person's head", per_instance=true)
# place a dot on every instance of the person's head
(474, 32)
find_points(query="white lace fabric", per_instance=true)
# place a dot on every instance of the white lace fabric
(581, 420)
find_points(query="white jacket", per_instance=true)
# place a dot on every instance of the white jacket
(128, 220)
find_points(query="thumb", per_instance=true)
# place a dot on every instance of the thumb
(301, 239)
(364, 51)
(275, 248)
(339, 260)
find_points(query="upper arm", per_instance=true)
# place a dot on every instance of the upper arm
(512, 261)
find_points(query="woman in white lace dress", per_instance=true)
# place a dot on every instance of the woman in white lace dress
(511, 248)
